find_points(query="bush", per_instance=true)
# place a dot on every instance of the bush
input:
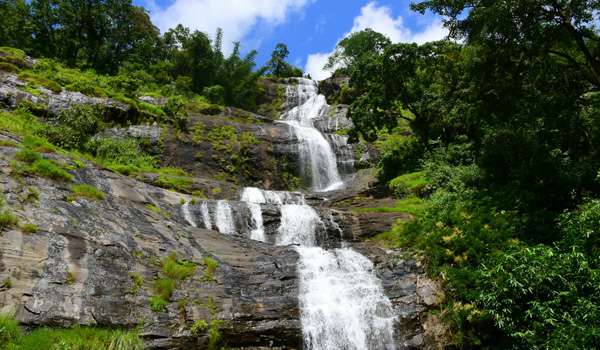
(73, 128)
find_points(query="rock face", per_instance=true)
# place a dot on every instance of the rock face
(79, 267)
(332, 86)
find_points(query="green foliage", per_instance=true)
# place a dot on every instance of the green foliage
(77, 338)
(86, 191)
(37, 144)
(412, 184)
(74, 127)
(199, 327)
(177, 269)
(210, 267)
(35, 80)
(48, 170)
(9, 331)
(120, 152)
(29, 228)
(173, 271)
(353, 48)
(179, 184)
(6, 143)
(278, 67)
(11, 68)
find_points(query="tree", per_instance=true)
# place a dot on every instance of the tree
(277, 65)
(565, 29)
(15, 27)
(350, 50)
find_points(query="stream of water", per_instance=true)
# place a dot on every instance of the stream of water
(342, 303)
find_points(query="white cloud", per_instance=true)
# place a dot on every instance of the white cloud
(236, 17)
(314, 66)
(380, 19)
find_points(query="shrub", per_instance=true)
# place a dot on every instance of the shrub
(210, 267)
(198, 327)
(73, 128)
(177, 269)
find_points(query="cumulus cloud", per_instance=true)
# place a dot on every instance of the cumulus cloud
(314, 66)
(236, 17)
(380, 19)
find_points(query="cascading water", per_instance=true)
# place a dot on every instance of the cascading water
(206, 216)
(186, 214)
(342, 305)
(254, 198)
(315, 152)
(224, 217)
(298, 225)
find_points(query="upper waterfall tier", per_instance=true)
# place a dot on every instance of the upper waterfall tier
(316, 155)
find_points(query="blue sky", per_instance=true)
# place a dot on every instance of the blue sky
(309, 28)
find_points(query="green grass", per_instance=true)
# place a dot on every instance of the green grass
(210, 267)
(5, 143)
(38, 144)
(410, 205)
(13, 51)
(409, 184)
(8, 67)
(36, 80)
(77, 338)
(29, 228)
(179, 184)
(173, 271)
(177, 269)
(48, 170)
(87, 192)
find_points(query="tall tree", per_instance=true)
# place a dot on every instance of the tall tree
(350, 50)
(277, 65)
(566, 29)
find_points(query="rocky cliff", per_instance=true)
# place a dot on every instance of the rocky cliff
(79, 259)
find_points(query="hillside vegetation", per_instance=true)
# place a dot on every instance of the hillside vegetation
(491, 141)
(504, 152)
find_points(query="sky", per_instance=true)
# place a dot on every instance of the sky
(310, 28)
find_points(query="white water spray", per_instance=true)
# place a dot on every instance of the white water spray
(341, 301)
(315, 152)
(186, 214)
(254, 198)
(224, 217)
(206, 216)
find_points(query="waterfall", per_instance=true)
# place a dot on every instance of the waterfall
(341, 301)
(186, 214)
(315, 152)
(206, 216)
(254, 198)
(298, 225)
(224, 217)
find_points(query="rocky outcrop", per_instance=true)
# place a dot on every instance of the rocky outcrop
(332, 87)
(78, 268)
